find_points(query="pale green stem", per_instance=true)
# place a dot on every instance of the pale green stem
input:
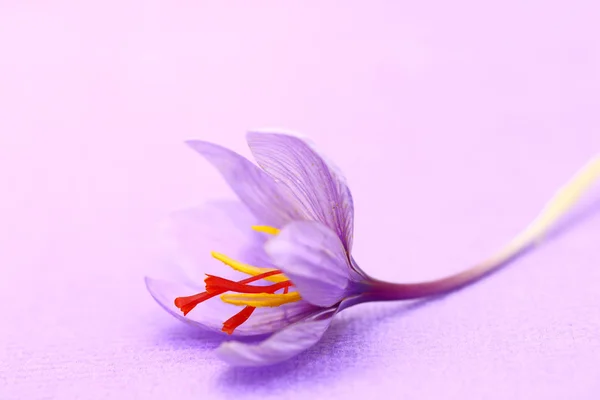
(556, 208)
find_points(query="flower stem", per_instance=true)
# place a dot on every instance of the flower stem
(557, 207)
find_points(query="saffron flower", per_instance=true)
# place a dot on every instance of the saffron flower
(289, 240)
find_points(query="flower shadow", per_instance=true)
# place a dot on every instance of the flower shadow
(182, 336)
(587, 210)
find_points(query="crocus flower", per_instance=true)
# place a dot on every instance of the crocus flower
(289, 240)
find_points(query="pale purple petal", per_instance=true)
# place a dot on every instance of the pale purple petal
(279, 347)
(319, 189)
(271, 203)
(211, 314)
(225, 227)
(313, 257)
(272, 319)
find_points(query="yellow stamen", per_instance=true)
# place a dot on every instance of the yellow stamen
(266, 229)
(260, 299)
(248, 269)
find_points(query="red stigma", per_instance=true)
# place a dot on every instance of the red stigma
(216, 285)
(232, 323)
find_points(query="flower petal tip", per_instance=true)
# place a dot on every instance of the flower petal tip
(275, 131)
(197, 145)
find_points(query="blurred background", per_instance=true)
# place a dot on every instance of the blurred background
(454, 122)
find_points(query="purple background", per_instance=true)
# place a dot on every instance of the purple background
(453, 120)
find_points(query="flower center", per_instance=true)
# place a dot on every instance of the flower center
(244, 294)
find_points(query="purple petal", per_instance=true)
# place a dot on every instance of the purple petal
(313, 257)
(281, 346)
(272, 319)
(211, 314)
(273, 204)
(319, 188)
(224, 227)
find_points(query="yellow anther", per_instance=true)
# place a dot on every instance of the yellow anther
(260, 299)
(248, 269)
(266, 229)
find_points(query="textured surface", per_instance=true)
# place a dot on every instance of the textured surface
(453, 121)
